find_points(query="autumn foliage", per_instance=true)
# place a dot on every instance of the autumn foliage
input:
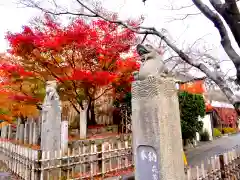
(16, 89)
(83, 56)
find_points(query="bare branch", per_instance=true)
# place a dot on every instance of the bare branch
(178, 8)
(225, 40)
(230, 13)
(183, 17)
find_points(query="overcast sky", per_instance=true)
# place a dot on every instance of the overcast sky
(157, 13)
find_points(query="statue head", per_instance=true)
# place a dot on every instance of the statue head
(51, 86)
(144, 49)
(147, 52)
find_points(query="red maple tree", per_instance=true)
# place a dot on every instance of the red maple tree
(83, 56)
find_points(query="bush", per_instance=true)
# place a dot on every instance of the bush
(204, 136)
(229, 130)
(216, 133)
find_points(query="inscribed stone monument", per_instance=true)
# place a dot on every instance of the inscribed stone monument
(157, 142)
(51, 119)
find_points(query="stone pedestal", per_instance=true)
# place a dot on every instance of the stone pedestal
(51, 127)
(157, 141)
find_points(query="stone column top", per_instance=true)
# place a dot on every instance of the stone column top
(148, 88)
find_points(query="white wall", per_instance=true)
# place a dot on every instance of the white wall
(207, 125)
(221, 104)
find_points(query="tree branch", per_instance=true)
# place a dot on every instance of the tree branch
(225, 40)
(230, 13)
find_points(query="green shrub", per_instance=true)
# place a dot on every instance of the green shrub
(216, 133)
(204, 136)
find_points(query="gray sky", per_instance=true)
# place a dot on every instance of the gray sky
(183, 32)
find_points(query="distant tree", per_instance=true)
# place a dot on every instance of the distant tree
(192, 106)
(83, 56)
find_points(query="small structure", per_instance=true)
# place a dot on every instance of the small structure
(223, 112)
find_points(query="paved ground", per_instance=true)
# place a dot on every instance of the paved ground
(202, 153)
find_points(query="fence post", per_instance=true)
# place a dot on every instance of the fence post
(21, 133)
(222, 167)
(18, 129)
(26, 133)
(30, 131)
(38, 170)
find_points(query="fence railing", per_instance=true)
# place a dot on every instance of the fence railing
(96, 158)
(223, 166)
(93, 160)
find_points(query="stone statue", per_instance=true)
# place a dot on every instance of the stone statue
(152, 63)
(51, 119)
(51, 92)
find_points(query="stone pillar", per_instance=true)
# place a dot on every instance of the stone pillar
(157, 139)
(83, 122)
(21, 133)
(64, 136)
(51, 119)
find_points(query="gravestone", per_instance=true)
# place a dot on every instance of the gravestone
(157, 139)
(51, 119)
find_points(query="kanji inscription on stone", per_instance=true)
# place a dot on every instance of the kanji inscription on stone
(147, 163)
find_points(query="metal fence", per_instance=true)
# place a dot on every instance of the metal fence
(88, 161)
